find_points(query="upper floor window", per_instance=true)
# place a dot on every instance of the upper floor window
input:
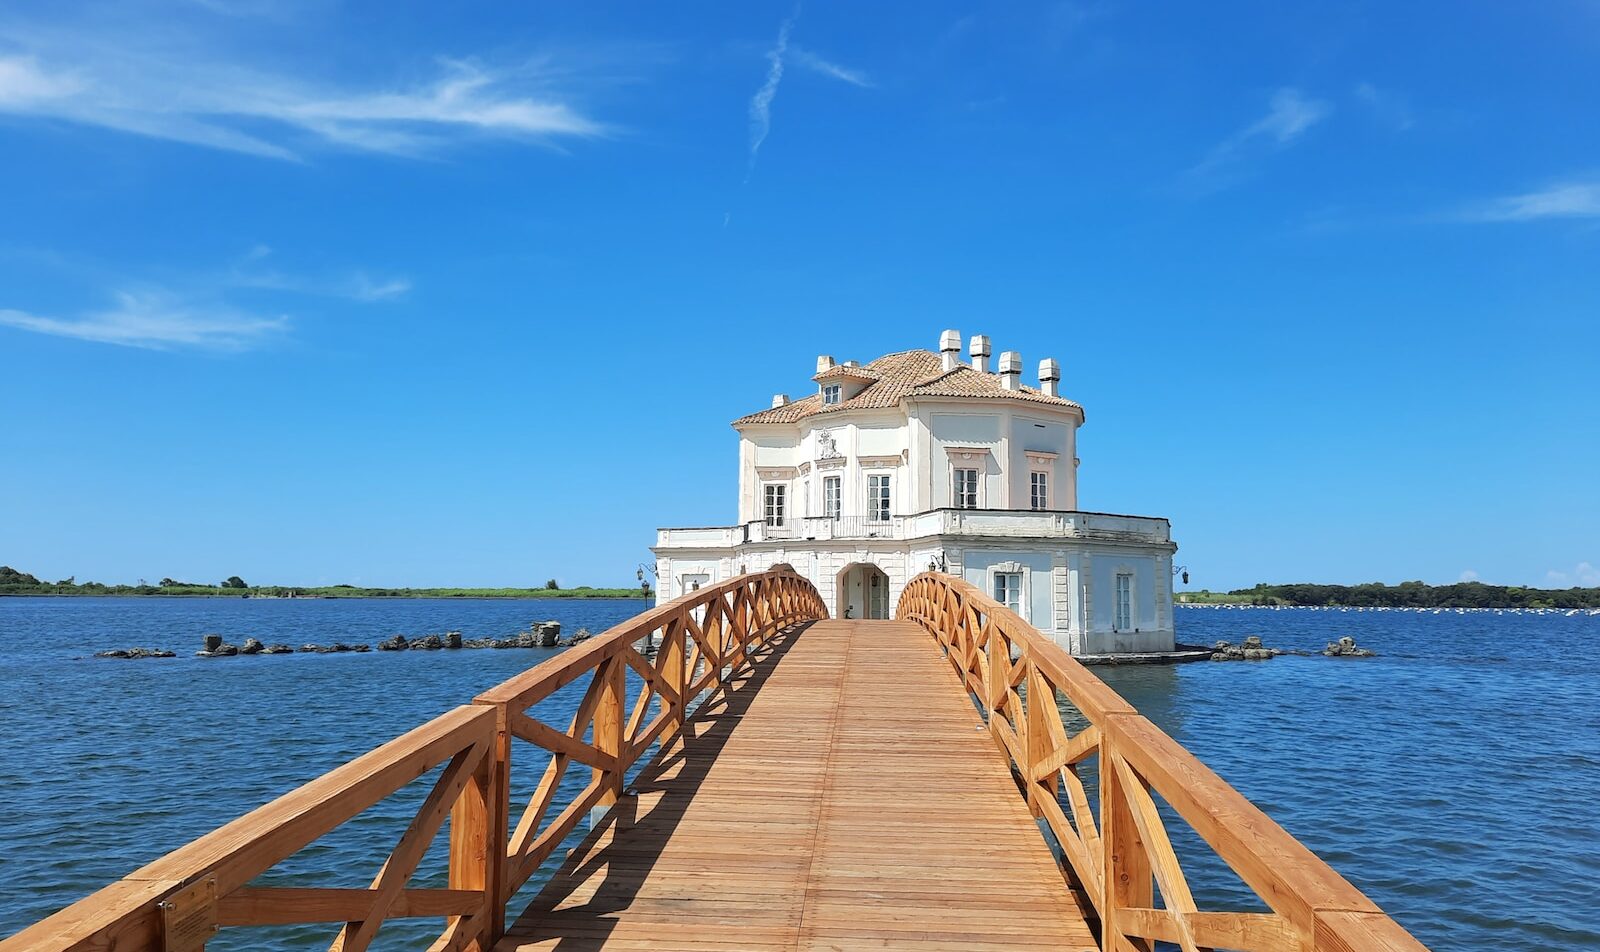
(830, 496)
(1040, 489)
(1008, 589)
(878, 497)
(774, 504)
(830, 394)
(1124, 602)
(964, 489)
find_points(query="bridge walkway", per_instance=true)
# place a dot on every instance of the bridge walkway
(843, 796)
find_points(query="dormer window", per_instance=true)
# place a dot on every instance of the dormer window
(830, 394)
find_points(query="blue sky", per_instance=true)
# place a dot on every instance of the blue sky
(468, 293)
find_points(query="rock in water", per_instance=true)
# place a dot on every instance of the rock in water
(277, 649)
(252, 646)
(212, 642)
(452, 639)
(428, 643)
(549, 634)
(1345, 647)
(397, 643)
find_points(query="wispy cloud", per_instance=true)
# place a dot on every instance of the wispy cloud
(197, 311)
(1290, 114)
(1389, 107)
(185, 95)
(159, 320)
(1567, 200)
(780, 54)
(252, 272)
(761, 102)
(817, 64)
(1584, 574)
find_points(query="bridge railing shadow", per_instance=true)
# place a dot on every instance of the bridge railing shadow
(612, 863)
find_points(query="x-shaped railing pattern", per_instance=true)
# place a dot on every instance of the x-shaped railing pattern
(1123, 859)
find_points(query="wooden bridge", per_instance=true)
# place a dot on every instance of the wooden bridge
(772, 779)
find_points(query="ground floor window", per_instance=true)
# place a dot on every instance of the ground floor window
(774, 504)
(1124, 602)
(1008, 590)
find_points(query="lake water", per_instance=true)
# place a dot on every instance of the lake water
(1453, 778)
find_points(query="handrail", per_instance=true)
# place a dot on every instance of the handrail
(1008, 667)
(126, 915)
(701, 639)
(705, 637)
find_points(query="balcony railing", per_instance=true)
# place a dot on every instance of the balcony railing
(991, 523)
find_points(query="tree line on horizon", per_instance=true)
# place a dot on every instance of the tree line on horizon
(1417, 594)
(14, 582)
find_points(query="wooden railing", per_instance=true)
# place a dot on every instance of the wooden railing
(692, 646)
(1123, 856)
(699, 641)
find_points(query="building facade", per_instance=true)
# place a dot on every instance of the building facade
(921, 461)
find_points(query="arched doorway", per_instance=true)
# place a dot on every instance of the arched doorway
(861, 590)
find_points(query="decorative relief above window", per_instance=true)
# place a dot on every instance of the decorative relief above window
(826, 448)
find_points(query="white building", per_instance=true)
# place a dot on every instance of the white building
(917, 461)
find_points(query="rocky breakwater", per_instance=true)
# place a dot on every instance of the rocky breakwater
(1251, 650)
(136, 653)
(215, 647)
(1346, 648)
(543, 634)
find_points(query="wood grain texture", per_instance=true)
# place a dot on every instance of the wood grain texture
(841, 794)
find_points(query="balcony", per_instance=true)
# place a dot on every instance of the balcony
(982, 523)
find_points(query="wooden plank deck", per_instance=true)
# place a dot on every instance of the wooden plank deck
(841, 797)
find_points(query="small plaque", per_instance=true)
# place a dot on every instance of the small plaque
(189, 916)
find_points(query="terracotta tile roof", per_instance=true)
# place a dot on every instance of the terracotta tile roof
(909, 373)
(842, 371)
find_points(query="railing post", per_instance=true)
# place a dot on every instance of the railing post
(1037, 741)
(673, 663)
(1126, 865)
(609, 718)
(478, 834)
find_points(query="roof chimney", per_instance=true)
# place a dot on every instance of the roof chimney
(949, 350)
(780, 399)
(1011, 370)
(979, 351)
(824, 363)
(1050, 377)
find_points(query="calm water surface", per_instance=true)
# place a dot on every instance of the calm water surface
(1453, 778)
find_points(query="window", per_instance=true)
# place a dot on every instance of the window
(964, 494)
(830, 496)
(774, 501)
(878, 498)
(1008, 590)
(830, 394)
(1124, 604)
(1041, 490)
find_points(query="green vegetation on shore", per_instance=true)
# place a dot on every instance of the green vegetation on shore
(13, 582)
(1404, 595)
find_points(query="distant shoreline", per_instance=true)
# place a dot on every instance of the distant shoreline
(1404, 595)
(614, 594)
(13, 582)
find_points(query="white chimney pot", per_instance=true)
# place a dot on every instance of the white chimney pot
(1011, 370)
(824, 362)
(780, 399)
(978, 349)
(949, 350)
(1050, 377)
